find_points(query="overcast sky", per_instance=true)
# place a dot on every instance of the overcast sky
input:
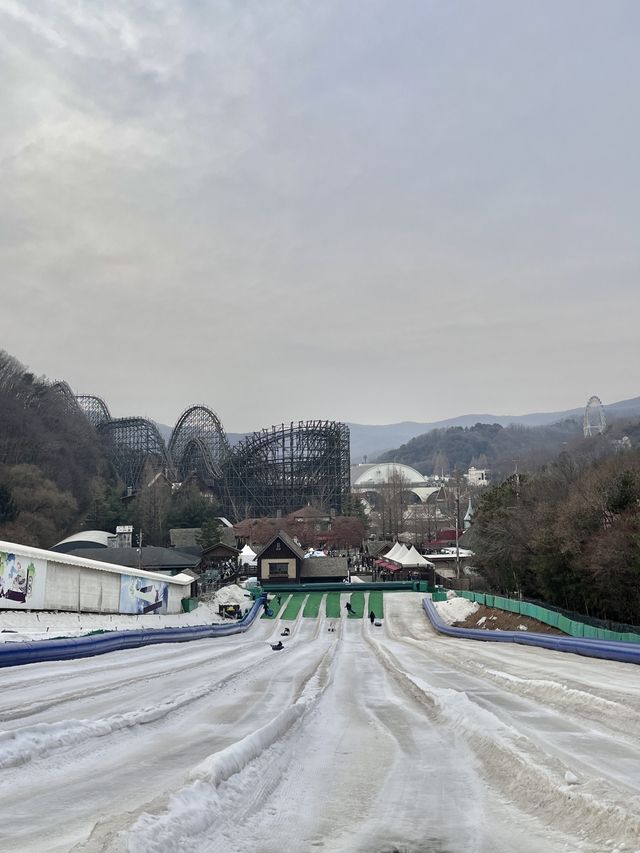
(361, 210)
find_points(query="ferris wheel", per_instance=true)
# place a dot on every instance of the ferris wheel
(594, 419)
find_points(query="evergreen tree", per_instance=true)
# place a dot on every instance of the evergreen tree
(210, 533)
(8, 507)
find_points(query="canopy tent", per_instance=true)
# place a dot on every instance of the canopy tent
(390, 567)
(399, 554)
(247, 557)
(413, 559)
(396, 547)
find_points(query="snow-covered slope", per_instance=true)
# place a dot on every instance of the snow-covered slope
(366, 739)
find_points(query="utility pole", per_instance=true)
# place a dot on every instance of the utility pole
(457, 526)
(140, 549)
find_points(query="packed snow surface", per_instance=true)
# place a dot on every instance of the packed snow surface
(363, 740)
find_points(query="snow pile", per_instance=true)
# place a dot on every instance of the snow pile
(18, 625)
(455, 609)
(231, 595)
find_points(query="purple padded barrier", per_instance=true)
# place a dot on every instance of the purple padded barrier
(37, 651)
(607, 649)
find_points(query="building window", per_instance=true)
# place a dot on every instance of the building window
(278, 570)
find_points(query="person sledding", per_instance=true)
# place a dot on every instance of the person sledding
(285, 633)
(277, 646)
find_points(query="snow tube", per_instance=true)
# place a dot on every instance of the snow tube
(68, 648)
(606, 649)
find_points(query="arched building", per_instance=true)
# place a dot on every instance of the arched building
(375, 478)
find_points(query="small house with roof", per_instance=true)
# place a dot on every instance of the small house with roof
(282, 561)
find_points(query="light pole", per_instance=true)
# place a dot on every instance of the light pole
(457, 526)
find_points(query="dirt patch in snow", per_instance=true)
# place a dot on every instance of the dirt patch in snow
(492, 619)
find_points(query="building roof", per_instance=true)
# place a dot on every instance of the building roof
(379, 472)
(233, 552)
(324, 567)
(186, 538)
(374, 548)
(183, 536)
(194, 550)
(84, 539)
(190, 573)
(311, 512)
(288, 541)
(152, 557)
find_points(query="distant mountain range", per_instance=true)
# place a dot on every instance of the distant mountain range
(371, 440)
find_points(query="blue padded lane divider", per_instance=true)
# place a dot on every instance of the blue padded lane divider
(607, 649)
(67, 648)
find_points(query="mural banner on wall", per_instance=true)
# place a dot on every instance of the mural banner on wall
(143, 595)
(22, 582)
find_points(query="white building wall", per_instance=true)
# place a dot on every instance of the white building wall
(68, 582)
(81, 589)
(176, 594)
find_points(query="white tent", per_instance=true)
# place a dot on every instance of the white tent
(413, 559)
(399, 554)
(247, 557)
(396, 547)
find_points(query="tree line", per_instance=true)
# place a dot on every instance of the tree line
(56, 478)
(567, 534)
(485, 446)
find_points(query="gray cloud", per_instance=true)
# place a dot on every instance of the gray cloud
(367, 211)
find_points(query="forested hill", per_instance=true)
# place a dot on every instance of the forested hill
(485, 446)
(567, 534)
(51, 461)
(371, 440)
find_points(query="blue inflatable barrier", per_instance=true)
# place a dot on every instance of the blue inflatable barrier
(606, 649)
(67, 648)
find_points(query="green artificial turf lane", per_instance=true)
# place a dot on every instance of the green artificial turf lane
(274, 606)
(357, 602)
(333, 605)
(293, 606)
(312, 607)
(375, 604)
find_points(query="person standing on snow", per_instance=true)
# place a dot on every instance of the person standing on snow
(372, 617)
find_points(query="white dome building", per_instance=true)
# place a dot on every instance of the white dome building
(373, 477)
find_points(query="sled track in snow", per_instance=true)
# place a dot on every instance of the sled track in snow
(364, 740)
